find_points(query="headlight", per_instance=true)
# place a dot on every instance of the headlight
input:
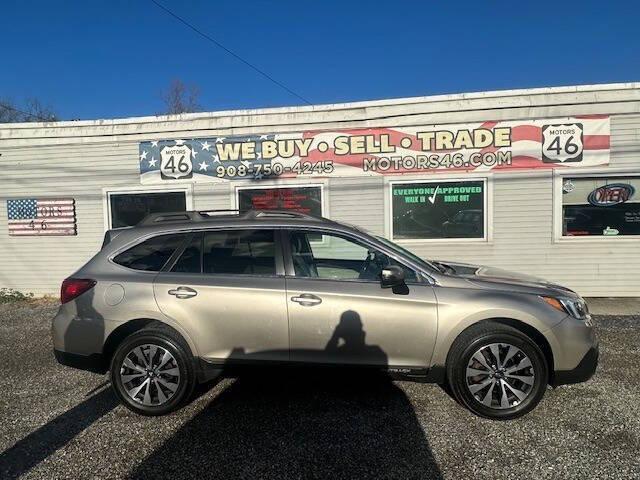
(576, 307)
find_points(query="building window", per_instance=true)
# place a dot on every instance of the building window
(127, 209)
(434, 210)
(304, 199)
(600, 206)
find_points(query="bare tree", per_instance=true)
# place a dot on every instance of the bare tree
(32, 111)
(181, 98)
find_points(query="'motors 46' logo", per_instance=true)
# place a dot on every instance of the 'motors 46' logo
(562, 143)
(176, 162)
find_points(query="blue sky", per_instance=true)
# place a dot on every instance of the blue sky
(102, 59)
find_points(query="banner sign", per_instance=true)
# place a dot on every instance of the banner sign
(474, 147)
(41, 216)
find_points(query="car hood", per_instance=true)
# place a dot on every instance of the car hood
(496, 278)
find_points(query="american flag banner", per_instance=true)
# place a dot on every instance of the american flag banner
(496, 146)
(39, 217)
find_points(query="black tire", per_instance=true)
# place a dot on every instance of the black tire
(483, 335)
(166, 339)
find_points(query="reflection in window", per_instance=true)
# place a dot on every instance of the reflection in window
(239, 252)
(600, 206)
(338, 258)
(150, 255)
(438, 210)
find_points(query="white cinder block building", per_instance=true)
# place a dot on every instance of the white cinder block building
(545, 181)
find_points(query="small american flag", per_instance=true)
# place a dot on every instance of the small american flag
(32, 216)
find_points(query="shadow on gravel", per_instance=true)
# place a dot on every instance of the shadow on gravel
(299, 427)
(38, 445)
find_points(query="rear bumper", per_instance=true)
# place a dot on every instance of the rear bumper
(581, 373)
(92, 363)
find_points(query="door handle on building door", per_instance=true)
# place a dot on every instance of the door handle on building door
(307, 300)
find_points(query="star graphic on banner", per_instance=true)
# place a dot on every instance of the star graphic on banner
(263, 137)
(205, 145)
(154, 143)
(143, 155)
(258, 155)
(216, 158)
(220, 139)
(179, 142)
(152, 162)
(194, 153)
(203, 166)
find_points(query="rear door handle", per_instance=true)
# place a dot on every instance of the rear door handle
(307, 300)
(183, 292)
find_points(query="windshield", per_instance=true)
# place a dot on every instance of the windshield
(412, 256)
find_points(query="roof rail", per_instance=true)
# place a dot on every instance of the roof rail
(211, 213)
(201, 215)
(278, 213)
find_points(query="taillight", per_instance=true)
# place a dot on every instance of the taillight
(74, 287)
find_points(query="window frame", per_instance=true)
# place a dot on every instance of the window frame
(487, 180)
(423, 278)
(558, 180)
(107, 192)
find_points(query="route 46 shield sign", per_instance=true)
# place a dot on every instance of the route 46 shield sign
(176, 162)
(562, 143)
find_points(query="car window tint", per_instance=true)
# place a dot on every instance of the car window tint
(239, 252)
(150, 255)
(189, 261)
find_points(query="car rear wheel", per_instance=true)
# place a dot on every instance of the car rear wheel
(152, 372)
(496, 371)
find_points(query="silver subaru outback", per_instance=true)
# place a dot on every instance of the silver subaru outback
(183, 298)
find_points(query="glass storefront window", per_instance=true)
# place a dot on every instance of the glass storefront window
(600, 206)
(432, 210)
(127, 209)
(301, 199)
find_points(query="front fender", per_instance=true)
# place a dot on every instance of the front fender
(460, 308)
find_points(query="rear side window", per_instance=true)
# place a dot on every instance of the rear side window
(150, 255)
(239, 252)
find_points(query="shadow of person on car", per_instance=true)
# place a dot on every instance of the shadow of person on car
(302, 423)
(347, 344)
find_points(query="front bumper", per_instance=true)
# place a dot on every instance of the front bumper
(581, 373)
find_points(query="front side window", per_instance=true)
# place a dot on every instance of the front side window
(600, 206)
(150, 255)
(127, 209)
(431, 210)
(338, 258)
(239, 252)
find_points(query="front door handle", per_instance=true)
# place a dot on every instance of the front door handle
(183, 292)
(307, 300)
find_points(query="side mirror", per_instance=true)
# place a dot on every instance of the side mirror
(392, 276)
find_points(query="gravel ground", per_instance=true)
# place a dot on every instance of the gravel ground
(56, 422)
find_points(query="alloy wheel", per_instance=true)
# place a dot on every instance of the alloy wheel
(500, 376)
(150, 374)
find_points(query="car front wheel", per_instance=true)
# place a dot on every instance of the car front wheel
(496, 371)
